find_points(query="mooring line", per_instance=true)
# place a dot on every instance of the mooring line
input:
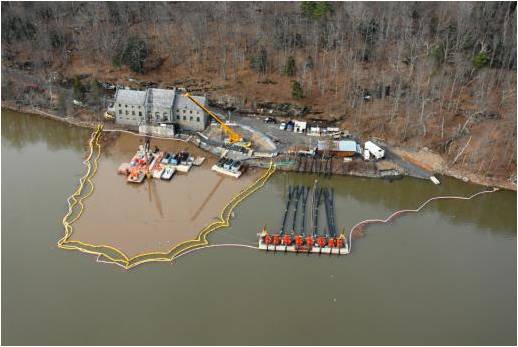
(386, 220)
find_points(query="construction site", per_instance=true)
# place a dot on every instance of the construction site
(182, 180)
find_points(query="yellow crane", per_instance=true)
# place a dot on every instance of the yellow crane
(233, 137)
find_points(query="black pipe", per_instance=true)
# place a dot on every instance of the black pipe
(315, 210)
(290, 192)
(304, 202)
(296, 194)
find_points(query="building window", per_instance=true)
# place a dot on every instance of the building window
(139, 107)
(126, 106)
(132, 113)
(198, 112)
(126, 112)
(165, 114)
(183, 111)
(120, 111)
(177, 111)
(132, 106)
(183, 117)
(119, 105)
(198, 119)
(139, 114)
(177, 117)
(190, 118)
(190, 111)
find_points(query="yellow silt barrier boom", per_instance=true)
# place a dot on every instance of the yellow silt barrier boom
(110, 254)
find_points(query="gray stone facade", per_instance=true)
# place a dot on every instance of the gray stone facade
(129, 107)
(159, 106)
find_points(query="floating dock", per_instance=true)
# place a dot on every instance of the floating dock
(298, 241)
(303, 249)
(218, 169)
(229, 167)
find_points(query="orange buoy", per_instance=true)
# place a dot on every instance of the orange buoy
(331, 242)
(321, 241)
(267, 239)
(276, 239)
(309, 241)
(287, 239)
(299, 241)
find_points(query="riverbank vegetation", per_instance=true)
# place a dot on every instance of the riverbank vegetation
(436, 75)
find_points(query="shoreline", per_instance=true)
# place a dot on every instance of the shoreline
(450, 172)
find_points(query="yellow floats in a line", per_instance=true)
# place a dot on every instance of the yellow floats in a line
(113, 255)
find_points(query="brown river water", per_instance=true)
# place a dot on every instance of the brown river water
(444, 276)
(156, 215)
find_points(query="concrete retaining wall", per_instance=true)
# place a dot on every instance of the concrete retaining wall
(161, 131)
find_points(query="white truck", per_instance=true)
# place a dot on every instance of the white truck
(373, 149)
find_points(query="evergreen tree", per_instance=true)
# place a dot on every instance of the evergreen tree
(296, 90)
(290, 67)
(316, 9)
(134, 54)
(480, 60)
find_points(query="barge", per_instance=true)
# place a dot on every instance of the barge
(301, 244)
(229, 167)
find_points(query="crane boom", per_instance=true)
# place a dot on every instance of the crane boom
(233, 136)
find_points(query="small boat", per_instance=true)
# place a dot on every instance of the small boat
(198, 161)
(168, 173)
(136, 176)
(157, 173)
(165, 159)
(183, 167)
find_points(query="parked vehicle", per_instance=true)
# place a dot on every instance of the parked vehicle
(282, 126)
(373, 149)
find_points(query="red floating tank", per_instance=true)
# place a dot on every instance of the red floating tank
(287, 240)
(321, 241)
(309, 241)
(299, 241)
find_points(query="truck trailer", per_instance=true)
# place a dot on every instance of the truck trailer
(373, 149)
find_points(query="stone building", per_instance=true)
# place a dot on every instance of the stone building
(129, 107)
(159, 106)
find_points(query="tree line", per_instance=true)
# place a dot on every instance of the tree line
(405, 70)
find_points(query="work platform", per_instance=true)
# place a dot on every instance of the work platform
(304, 249)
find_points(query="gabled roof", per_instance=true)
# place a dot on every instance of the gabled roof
(131, 97)
(163, 98)
(182, 102)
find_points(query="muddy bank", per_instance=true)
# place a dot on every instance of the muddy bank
(155, 215)
(433, 162)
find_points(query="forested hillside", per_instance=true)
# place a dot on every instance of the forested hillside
(440, 75)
